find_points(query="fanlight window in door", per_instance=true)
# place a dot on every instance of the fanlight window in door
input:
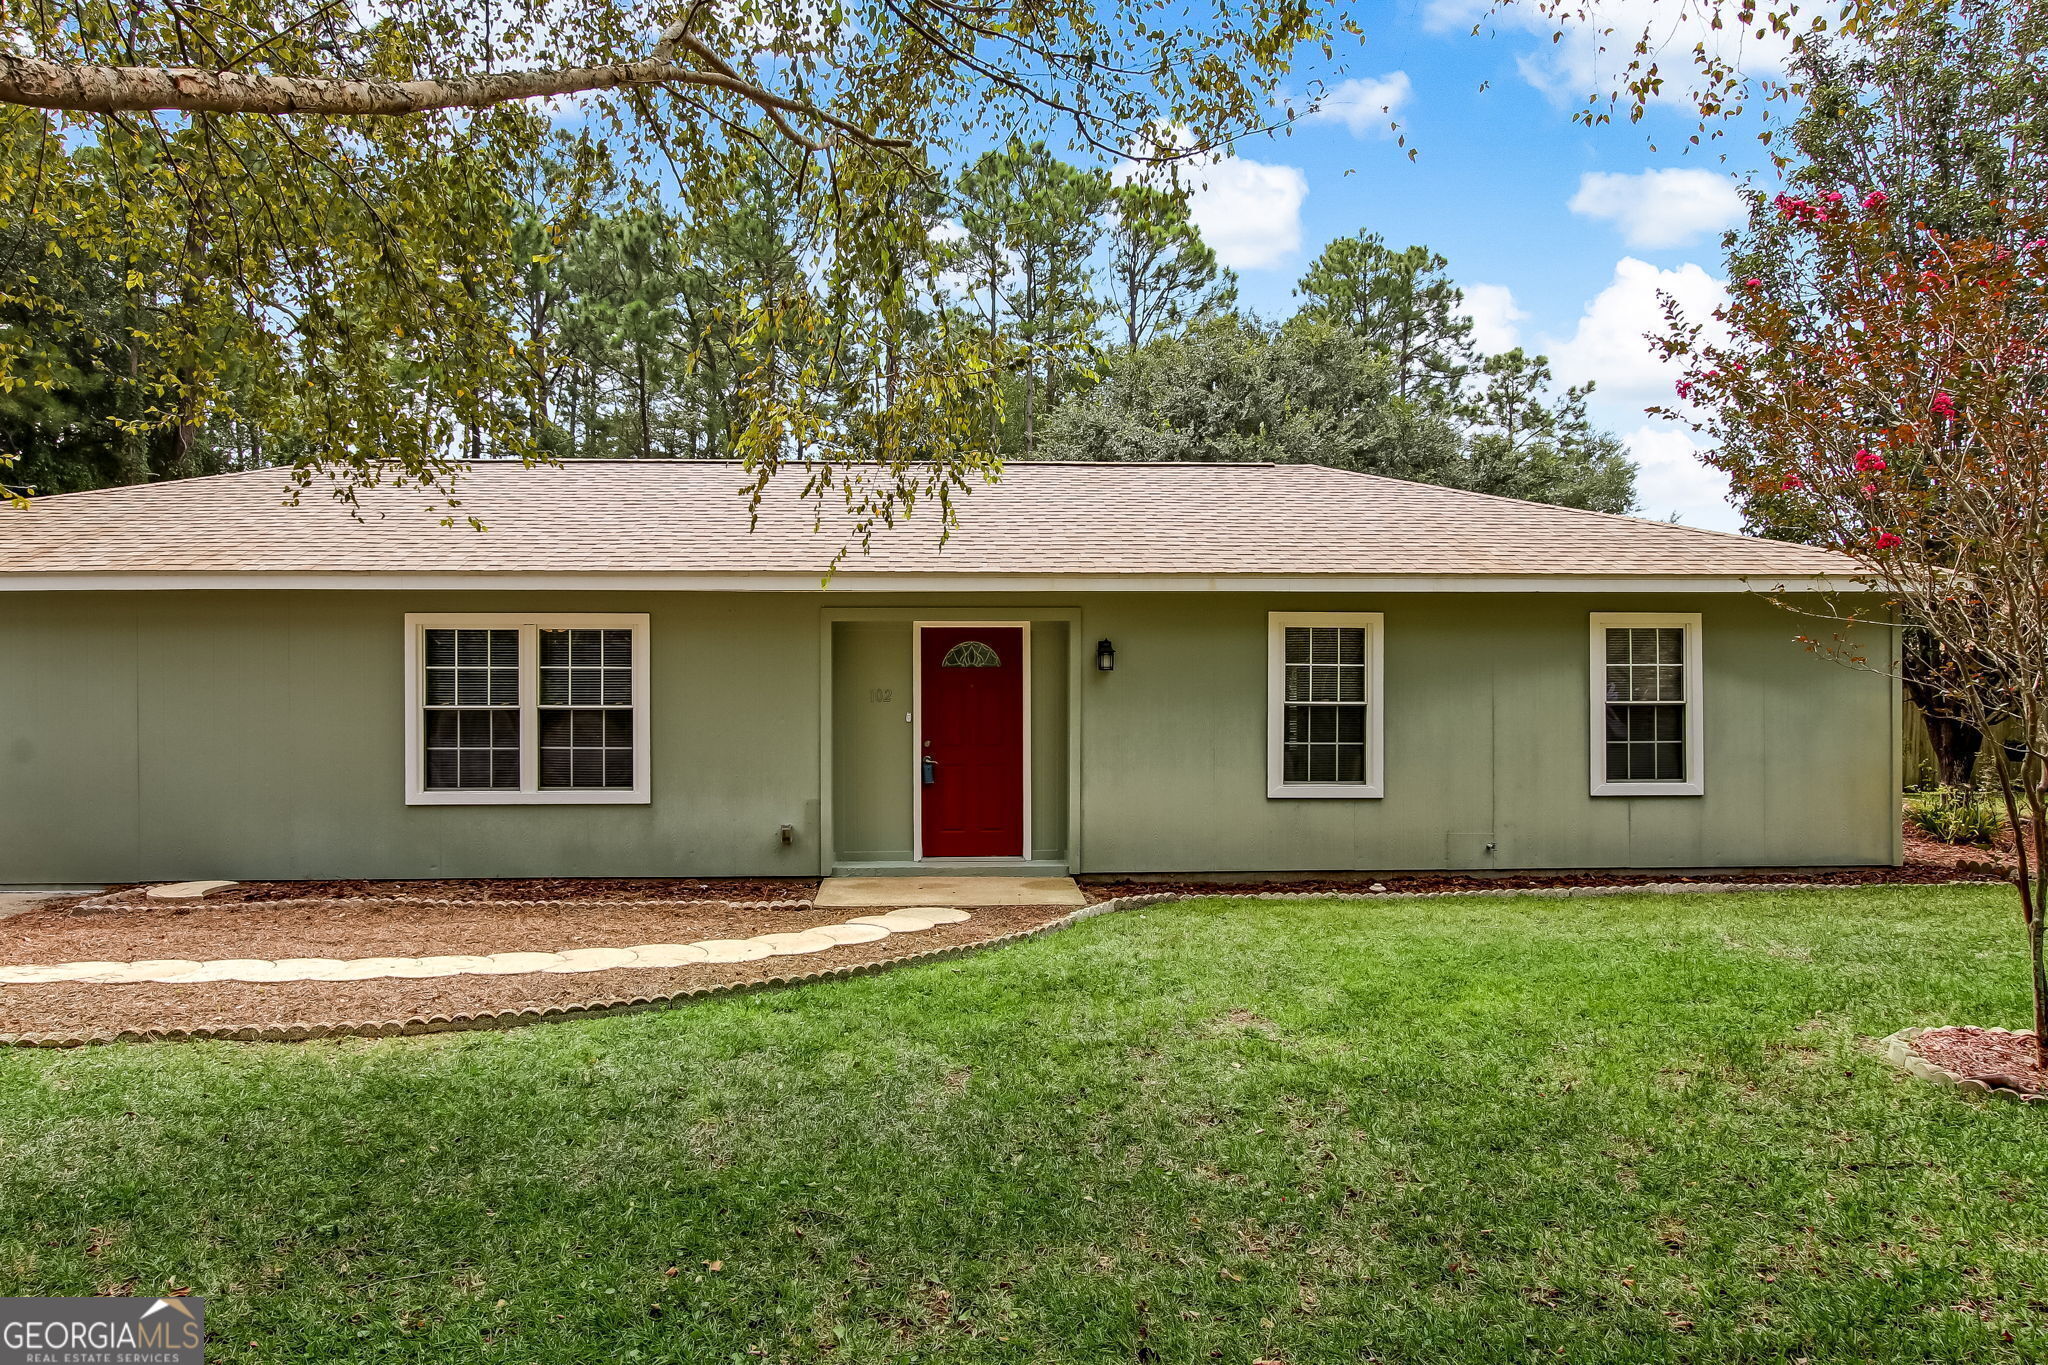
(971, 654)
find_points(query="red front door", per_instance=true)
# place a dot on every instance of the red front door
(971, 767)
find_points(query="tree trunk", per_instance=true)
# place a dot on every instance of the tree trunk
(1956, 744)
(646, 420)
(1030, 353)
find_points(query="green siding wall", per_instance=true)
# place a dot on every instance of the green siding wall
(1486, 721)
(163, 735)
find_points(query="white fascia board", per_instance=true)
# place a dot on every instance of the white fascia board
(846, 583)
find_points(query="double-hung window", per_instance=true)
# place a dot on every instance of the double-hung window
(1323, 704)
(1646, 723)
(508, 709)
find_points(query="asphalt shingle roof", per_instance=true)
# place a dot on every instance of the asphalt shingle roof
(687, 517)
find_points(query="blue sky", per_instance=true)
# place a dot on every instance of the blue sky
(1561, 234)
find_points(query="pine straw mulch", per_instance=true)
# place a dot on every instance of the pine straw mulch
(1997, 1058)
(410, 929)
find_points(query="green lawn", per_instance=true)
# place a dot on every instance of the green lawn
(1630, 1129)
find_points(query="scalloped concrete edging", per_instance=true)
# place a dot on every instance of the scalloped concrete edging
(513, 1018)
(1898, 1050)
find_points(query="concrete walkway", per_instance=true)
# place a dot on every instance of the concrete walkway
(21, 902)
(175, 971)
(836, 893)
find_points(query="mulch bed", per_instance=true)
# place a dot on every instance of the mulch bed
(1998, 1059)
(211, 929)
(77, 1007)
(529, 889)
(1973, 860)
(1438, 883)
(355, 919)
(1927, 862)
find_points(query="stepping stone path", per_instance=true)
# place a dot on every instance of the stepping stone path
(186, 891)
(184, 971)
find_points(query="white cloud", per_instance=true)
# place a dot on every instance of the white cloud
(1660, 208)
(1598, 41)
(1249, 212)
(1670, 478)
(1610, 347)
(1366, 105)
(1494, 315)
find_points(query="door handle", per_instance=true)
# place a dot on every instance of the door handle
(931, 770)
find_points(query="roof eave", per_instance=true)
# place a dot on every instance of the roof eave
(858, 580)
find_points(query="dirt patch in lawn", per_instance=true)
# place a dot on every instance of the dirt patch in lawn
(82, 1008)
(1997, 1058)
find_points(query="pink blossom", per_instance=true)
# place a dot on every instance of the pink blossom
(1834, 198)
(1943, 405)
(1884, 541)
(1752, 283)
(2037, 244)
(1869, 490)
(1875, 199)
(1792, 483)
(1796, 209)
(1685, 388)
(1869, 463)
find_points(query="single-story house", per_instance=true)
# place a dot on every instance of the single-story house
(1107, 668)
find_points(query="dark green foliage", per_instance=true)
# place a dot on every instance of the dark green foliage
(1315, 392)
(1402, 303)
(1031, 223)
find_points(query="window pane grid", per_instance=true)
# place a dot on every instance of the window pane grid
(1645, 695)
(586, 668)
(586, 709)
(1324, 712)
(572, 726)
(472, 710)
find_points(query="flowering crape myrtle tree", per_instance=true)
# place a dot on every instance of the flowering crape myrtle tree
(1908, 420)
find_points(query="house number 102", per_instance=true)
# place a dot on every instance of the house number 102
(881, 693)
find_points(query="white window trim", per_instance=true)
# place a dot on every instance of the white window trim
(529, 626)
(1276, 706)
(1695, 704)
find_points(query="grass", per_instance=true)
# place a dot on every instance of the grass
(1629, 1129)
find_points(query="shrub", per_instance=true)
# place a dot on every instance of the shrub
(1957, 816)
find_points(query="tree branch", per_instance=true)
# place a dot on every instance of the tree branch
(39, 84)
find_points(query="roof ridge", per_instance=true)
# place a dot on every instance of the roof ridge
(1560, 507)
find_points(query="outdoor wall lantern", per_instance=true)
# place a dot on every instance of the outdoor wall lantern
(1105, 656)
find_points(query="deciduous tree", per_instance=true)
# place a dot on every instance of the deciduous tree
(1901, 408)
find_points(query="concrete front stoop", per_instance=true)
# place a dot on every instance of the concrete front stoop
(955, 892)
